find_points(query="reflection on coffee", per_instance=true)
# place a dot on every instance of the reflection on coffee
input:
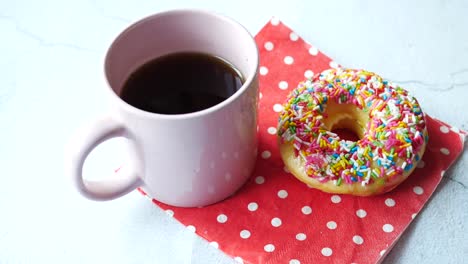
(181, 83)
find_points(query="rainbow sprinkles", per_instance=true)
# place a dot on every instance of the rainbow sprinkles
(391, 141)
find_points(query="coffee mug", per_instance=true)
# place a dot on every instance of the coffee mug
(191, 159)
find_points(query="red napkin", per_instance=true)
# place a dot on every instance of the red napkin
(275, 218)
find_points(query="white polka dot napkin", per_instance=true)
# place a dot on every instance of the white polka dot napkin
(275, 218)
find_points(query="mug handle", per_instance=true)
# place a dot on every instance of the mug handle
(83, 142)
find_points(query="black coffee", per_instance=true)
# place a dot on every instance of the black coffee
(181, 83)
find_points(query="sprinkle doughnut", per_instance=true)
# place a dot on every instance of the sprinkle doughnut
(388, 121)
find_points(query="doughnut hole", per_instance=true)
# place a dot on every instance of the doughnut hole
(346, 120)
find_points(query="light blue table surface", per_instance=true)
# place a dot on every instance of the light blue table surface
(51, 68)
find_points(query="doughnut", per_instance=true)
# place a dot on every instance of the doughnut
(388, 121)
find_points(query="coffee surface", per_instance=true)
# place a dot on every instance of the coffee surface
(181, 83)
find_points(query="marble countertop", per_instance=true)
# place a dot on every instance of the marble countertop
(52, 81)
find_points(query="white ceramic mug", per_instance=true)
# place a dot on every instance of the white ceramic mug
(187, 160)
